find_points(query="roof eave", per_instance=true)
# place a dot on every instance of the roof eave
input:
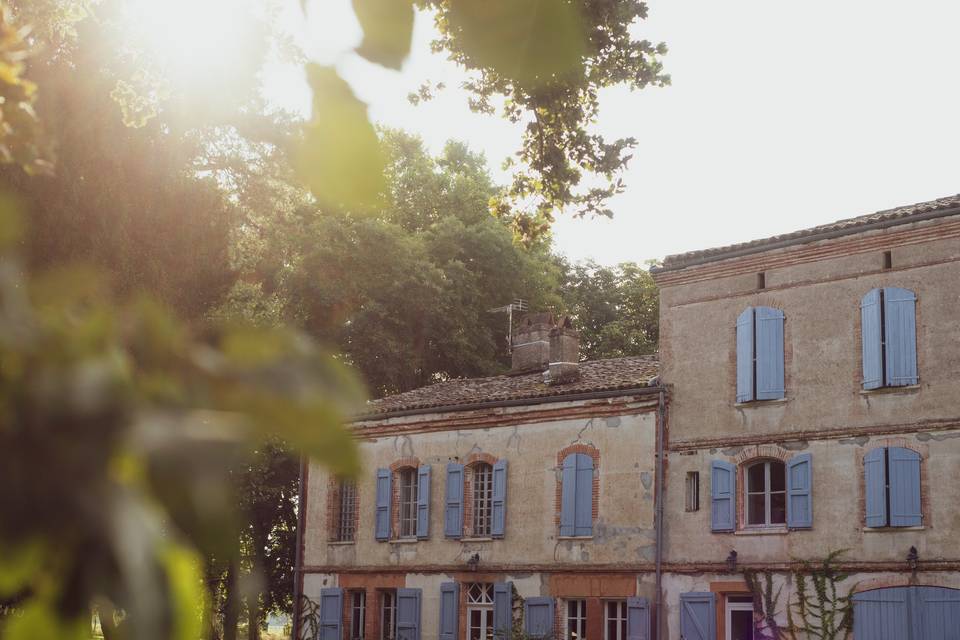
(815, 237)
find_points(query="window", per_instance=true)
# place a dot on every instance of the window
(766, 493)
(760, 354)
(888, 332)
(576, 620)
(479, 611)
(892, 483)
(692, 497)
(346, 525)
(408, 503)
(358, 614)
(887, 260)
(615, 620)
(482, 498)
(388, 615)
(576, 495)
(762, 280)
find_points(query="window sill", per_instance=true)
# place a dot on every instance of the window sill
(478, 539)
(760, 403)
(913, 388)
(762, 531)
(340, 543)
(404, 540)
(575, 537)
(893, 529)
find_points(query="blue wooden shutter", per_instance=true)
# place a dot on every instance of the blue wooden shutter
(538, 617)
(408, 614)
(449, 610)
(882, 614)
(453, 513)
(723, 492)
(423, 502)
(904, 480)
(384, 497)
(745, 337)
(937, 613)
(698, 618)
(871, 340)
(331, 614)
(568, 495)
(638, 619)
(769, 353)
(900, 328)
(502, 610)
(875, 484)
(583, 515)
(499, 523)
(800, 491)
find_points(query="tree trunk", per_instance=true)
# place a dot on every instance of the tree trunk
(231, 608)
(253, 618)
(259, 561)
(107, 625)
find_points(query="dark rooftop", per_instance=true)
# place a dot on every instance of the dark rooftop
(597, 375)
(879, 219)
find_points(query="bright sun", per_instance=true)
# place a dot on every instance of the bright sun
(192, 39)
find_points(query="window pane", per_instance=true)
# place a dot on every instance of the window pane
(408, 502)
(778, 508)
(756, 508)
(756, 480)
(482, 499)
(778, 476)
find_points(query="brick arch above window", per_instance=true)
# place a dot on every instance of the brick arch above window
(754, 453)
(880, 443)
(594, 454)
(480, 456)
(402, 463)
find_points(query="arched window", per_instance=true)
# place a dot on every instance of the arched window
(407, 478)
(766, 493)
(482, 499)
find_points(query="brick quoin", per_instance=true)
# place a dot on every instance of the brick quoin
(594, 454)
(395, 469)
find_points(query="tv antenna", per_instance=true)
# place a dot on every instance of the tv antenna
(519, 304)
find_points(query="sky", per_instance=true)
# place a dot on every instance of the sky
(780, 116)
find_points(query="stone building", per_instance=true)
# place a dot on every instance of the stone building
(806, 400)
(815, 406)
(486, 502)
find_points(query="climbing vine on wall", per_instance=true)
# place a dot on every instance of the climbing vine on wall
(765, 602)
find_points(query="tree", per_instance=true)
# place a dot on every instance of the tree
(616, 309)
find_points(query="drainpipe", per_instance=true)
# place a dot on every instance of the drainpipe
(658, 511)
(298, 561)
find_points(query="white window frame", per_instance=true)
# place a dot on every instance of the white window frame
(621, 618)
(767, 492)
(483, 604)
(358, 606)
(692, 492)
(388, 612)
(482, 500)
(579, 632)
(408, 487)
(728, 615)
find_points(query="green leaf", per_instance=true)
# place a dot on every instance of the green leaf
(340, 158)
(387, 30)
(188, 598)
(529, 41)
(18, 565)
(38, 619)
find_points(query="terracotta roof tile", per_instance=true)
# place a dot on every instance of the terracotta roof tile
(899, 215)
(596, 375)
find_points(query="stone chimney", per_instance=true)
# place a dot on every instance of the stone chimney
(541, 342)
(531, 343)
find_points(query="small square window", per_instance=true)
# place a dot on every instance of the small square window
(692, 500)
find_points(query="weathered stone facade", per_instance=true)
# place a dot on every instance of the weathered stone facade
(824, 418)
